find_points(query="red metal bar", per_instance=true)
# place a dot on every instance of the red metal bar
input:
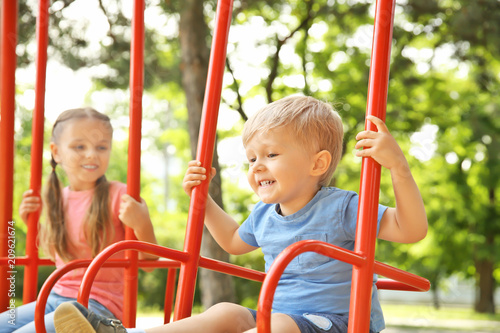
(31, 269)
(362, 276)
(169, 295)
(227, 268)
(41, 302)
(82, 263)
(266, 296)
(194, 229)
(410, 281)
(7, 107)
(134, 153)
(100, 259)
(264, 306)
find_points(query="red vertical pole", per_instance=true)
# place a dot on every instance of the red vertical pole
(362, 276)
(31, 270)
(134, 153)
(7, 107)
(206, 142)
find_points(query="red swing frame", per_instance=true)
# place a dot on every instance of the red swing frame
(189, 260)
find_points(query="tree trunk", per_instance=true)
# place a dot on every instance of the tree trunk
(193, 32)
(485, 301)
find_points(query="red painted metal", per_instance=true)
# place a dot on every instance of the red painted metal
(407, 281)
(134, 152)
(46, 289)
(362, 276)
(100, 259)
(83, 263)
(31, 269)
(194, 229)
(189, 260)
(169, 295)
(7, 108)
(177, 258)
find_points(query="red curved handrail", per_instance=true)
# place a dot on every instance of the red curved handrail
(43, 295)
(266, 296)
(154, 249)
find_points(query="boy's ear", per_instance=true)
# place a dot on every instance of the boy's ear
(54, 151)
(322, 162)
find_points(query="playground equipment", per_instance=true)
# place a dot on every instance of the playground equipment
(188, 260)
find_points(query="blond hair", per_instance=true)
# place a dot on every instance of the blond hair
(314, 124)
(98, 226)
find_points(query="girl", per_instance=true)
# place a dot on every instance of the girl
(82, 218)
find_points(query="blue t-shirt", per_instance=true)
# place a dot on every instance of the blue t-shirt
(312, 283)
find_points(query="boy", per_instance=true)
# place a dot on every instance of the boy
(293, 147)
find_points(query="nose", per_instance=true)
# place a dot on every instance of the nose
(257, 166)
(90, 153)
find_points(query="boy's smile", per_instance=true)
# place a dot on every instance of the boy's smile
(280, 170)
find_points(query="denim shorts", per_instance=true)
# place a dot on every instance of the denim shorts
(318, 322)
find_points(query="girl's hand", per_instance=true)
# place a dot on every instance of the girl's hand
(195, 174)
(382, 147)
(30, 204)
(133, 213)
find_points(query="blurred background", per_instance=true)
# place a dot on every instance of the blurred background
(443, 108)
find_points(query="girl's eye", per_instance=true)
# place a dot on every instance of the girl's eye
(251, 160)
(272, 155)
(102, 148)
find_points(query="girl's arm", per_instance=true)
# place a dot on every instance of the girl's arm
(135, 215)
(30, 204)
(407, 222)
(222, 227)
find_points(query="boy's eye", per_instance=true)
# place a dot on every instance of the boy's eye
(102, 148)
(272, 155)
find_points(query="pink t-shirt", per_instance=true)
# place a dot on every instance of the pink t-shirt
(107, 288)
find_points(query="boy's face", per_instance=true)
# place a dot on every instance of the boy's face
(280, 170)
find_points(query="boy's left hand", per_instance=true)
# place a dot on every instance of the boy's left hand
(381, 146)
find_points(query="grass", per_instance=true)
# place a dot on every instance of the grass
(429, 312)
(420, 318)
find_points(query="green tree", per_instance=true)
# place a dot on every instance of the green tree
(445, 73)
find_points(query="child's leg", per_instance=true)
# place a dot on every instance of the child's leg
(24, 316)
(15, 318)
(222, 317)
(280, 323)
(225, 317)
(30, 327)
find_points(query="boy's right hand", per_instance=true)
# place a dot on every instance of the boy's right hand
(30, 203)
(195, 174)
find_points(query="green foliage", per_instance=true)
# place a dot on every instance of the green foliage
(445, 73)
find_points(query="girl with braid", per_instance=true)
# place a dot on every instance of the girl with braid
(83, 217)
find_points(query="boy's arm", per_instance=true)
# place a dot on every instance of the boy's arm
(407, 222)
(222, 227)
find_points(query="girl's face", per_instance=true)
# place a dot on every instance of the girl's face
(83, 150)
(281, 170)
